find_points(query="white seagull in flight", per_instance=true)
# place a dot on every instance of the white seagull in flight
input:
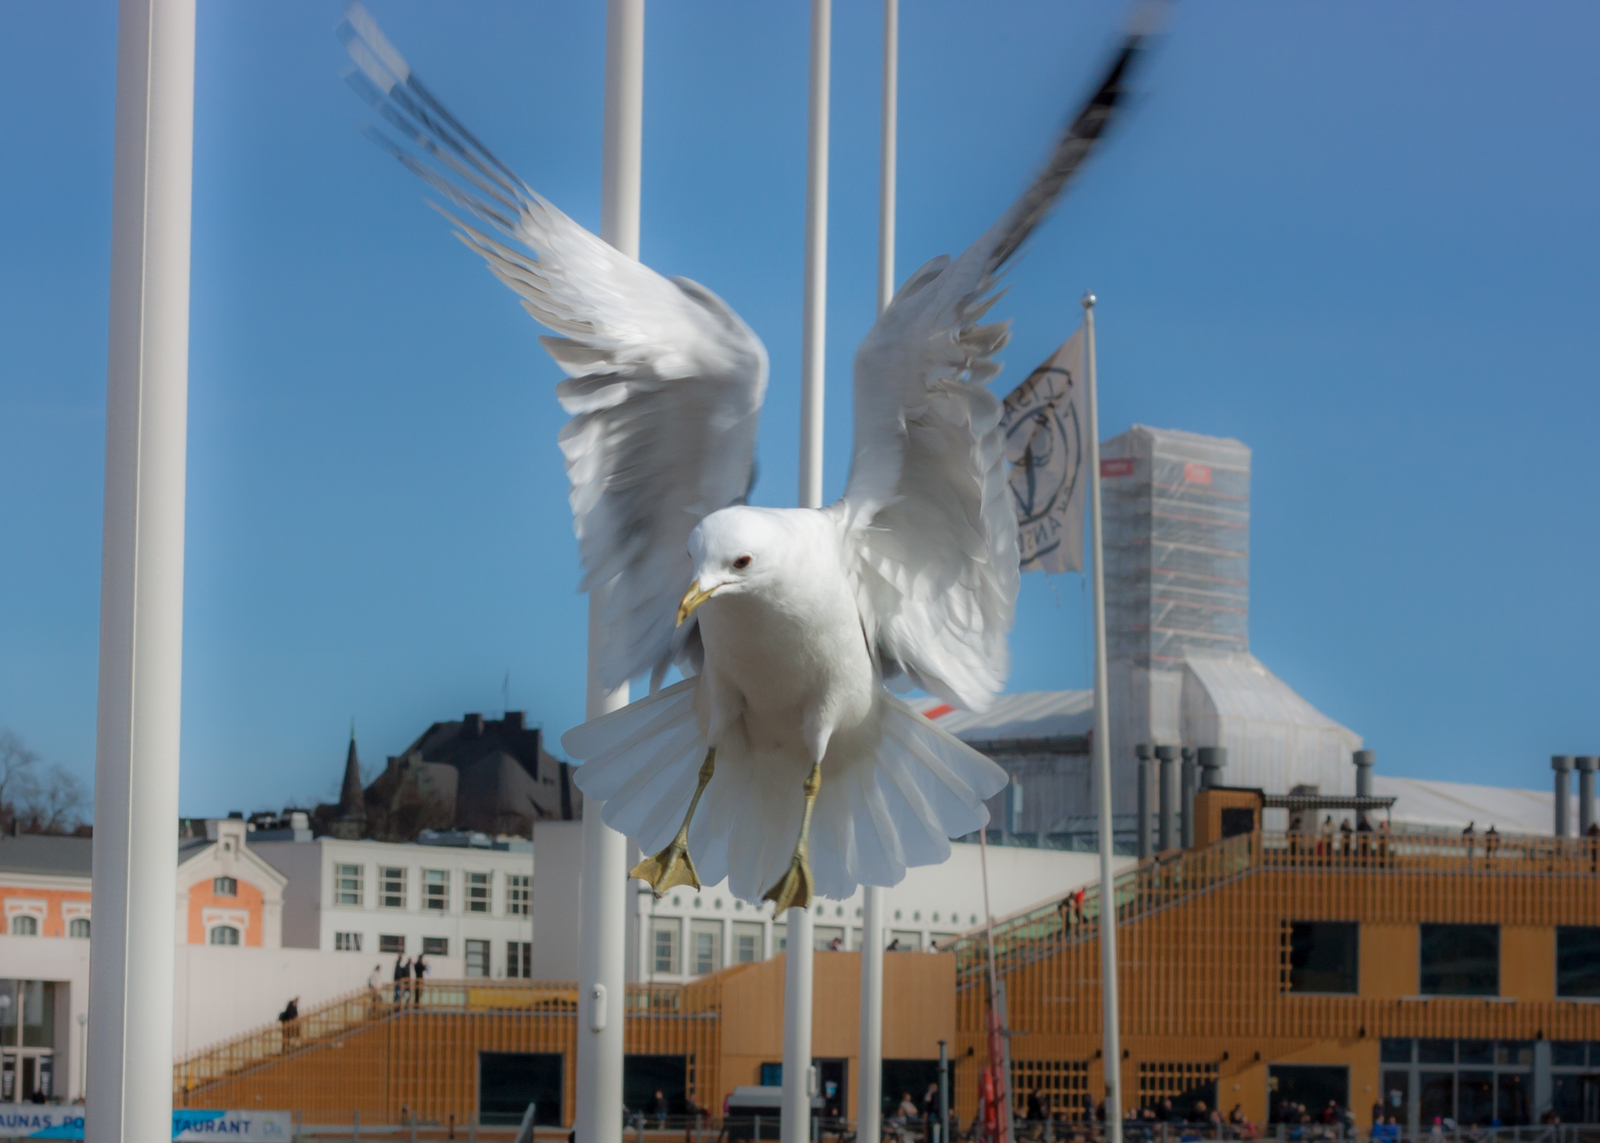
(781, 761)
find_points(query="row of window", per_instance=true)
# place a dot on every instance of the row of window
(838, 911)
(476, 953)
(349, 888)
(26, 925)
(747, 942)
(1479, 1082)
(1453, 960)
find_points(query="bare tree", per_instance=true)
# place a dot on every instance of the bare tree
(16, 768)
(55, 805)
(31, 802)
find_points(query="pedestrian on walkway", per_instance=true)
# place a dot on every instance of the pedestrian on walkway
(419, 969)
(402, 977)
(289, 1022)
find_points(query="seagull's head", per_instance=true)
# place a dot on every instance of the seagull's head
(736, 551)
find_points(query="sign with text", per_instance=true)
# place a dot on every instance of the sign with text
(44, 1121)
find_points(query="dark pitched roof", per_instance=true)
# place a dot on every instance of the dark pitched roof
(47, 854)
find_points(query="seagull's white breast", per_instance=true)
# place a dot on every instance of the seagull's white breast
(790, 652)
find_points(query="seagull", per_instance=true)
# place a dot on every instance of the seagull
(783, 761)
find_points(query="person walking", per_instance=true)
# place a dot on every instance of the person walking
(289, 1022)
(1035, 1106)
(402, 977)
(419, 969)
(658, 1108)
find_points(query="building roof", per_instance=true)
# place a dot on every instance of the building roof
(1030, 714)
(1426, 804)
(47, 855)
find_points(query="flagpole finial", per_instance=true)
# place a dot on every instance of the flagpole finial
(1088, 300)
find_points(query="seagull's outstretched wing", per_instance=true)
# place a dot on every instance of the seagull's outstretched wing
(926, 512)
(664, 384)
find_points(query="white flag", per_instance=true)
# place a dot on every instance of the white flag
(1043, 423)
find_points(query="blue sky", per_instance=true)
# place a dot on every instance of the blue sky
(1361, 237)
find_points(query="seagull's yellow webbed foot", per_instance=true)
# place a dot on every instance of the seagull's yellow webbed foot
(673, 866)
(670, 868)
(793, 890)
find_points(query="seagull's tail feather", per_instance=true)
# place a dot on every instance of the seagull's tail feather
(873, 821)
(882, 808)
(643, 762)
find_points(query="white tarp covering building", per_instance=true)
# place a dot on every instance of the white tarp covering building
(1422, 804)
(1275, 739)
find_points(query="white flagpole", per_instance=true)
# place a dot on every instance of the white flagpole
(869, 1087)
(1112, 1042)
(795, 1117)
(141, 578)
(603, 880)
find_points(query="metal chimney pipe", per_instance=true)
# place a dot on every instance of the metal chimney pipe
(1212, 759)
(1142, 753)
(1364, 760)
(1562, 765)
(1587, 764)
(1168, 795)
(1188, 776)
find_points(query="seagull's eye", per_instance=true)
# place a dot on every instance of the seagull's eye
(742, 562)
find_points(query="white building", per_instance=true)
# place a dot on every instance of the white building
(461, 900)
(688, 932)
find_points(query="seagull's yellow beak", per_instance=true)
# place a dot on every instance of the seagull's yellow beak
(692, 599)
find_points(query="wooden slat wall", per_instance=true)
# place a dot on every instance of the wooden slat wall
(1203, 962)
(422, 1059)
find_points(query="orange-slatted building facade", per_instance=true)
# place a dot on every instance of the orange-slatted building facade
(1427, 974)
(1434, 975)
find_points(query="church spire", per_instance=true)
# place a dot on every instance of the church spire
(350, 792)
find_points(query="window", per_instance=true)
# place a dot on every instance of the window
(1320, 956)
(224, 887)
(347, 881)
(436, 890)
(665, 936)
(519, 959)
(435, 946)
(1460, 960)
(1061, 1084)
(347, 942)
(746, 942)
(780, 937)
(1310, 1085)
(79, 927)
(519, 893)
(823, 936)
(1186, 1084)
(391, 887)
(904, 940)
(477, 958)
(224, 935)
(1578, 962)
(391, 943)
(707, 946)
(478, 892)
(23, 925)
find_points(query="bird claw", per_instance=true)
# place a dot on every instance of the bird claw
(668, 869)
(793, 890)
